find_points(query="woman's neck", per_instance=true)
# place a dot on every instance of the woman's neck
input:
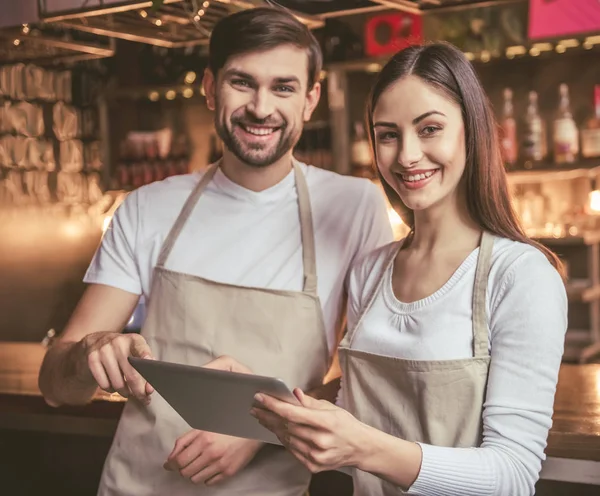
(445, 228)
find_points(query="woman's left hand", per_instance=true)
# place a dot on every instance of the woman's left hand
(319, 434)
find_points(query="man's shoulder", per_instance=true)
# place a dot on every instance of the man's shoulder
(334, 183)
(174, 187)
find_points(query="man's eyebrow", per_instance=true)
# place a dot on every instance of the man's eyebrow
(238, 73)
(287, 79)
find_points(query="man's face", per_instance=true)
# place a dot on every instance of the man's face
(261, 100)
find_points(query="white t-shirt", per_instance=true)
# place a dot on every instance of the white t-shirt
(238, 236)
(527, 320)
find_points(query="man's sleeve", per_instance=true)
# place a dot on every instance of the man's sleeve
(375, 229)
(115, 261)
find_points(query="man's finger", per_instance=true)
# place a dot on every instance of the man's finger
(181, 444)
(228, 364)
(97, 370)
(215, 480)
(113, 371)
(206, 473)
(135, 382)
(139, 348)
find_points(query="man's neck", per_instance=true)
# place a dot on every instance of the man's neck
(255, 178)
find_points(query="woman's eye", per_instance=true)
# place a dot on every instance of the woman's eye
(387, 136)
(429, 130)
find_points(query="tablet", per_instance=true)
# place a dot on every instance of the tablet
(214, 400)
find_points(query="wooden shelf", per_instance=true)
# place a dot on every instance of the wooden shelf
(585, 238)
(586, 169)
(525, 52)
(581, 290)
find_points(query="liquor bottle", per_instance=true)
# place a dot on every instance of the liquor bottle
(590, 134)
(566, 134)
(508, 131)
(535, 145)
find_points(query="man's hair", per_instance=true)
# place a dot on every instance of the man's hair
(259, 29)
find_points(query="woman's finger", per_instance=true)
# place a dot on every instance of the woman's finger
(292, 413)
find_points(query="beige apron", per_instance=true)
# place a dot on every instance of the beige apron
(192, 320)
(434, 402)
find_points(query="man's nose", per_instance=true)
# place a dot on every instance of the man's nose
(261, 105)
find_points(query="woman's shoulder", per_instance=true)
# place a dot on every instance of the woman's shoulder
(507, 254)
(522, 267)
(367, 269)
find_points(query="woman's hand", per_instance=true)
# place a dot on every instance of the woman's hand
(319, 434)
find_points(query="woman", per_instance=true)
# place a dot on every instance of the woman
(456, 333)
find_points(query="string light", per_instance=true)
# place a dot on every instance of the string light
(190, 77)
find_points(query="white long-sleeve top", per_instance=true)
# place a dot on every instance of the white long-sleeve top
(527, 321)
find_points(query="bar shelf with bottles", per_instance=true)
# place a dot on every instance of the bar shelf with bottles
(553, 168)
(145, 157)
(561, 144)
(553, 165)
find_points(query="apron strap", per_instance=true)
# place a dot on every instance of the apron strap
(306, 225)
(184, 215)
(349, 337)
(480, 327)
(307, 233)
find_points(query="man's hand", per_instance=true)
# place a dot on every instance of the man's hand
(209, 458)
(229, 364)
(106, 355)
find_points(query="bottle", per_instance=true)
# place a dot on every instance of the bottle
(535, 145)
(566, 134)
(590, 134)
(508, 131)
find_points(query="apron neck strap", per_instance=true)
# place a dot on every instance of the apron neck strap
(480, 327)
(307, 233)
(306, 225)
(184, 215)
(347, 341)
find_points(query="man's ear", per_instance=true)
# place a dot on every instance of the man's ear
(312, 100)
(209, 85)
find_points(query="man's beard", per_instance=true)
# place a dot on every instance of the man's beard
(255, 155)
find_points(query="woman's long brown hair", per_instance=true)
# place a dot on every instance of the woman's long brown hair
(488, 200)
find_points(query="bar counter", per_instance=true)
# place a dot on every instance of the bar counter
(573, 446)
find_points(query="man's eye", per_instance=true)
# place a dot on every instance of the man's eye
(284, 88)
(240, 82)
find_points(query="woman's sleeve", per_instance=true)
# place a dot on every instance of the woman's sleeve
(528, 322)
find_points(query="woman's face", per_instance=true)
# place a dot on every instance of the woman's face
(420, 143)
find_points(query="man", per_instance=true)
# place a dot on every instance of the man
(228, 261)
